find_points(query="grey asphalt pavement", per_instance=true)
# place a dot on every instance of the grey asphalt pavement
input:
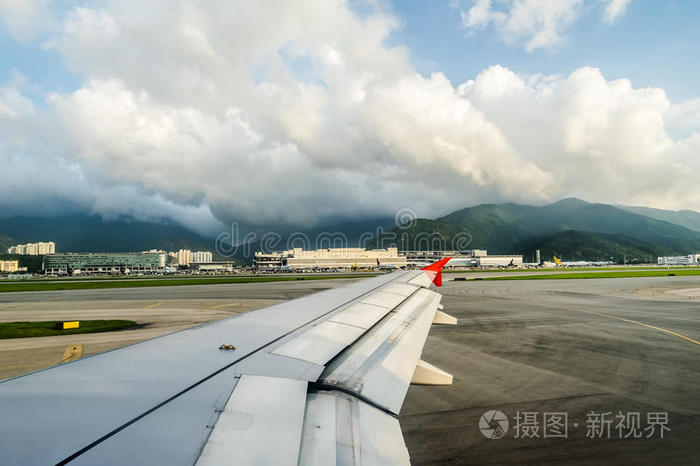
(580, 347)
(261, 290)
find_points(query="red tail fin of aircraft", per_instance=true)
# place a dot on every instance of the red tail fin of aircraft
(434, 271)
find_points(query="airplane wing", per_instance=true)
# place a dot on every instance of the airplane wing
(317, 380)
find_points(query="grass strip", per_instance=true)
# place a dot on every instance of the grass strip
(559, 270)
(92, 285)
(46, 329)
(580, 275)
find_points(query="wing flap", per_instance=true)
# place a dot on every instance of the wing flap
(261, 424)
(340, 429)
(380, 365)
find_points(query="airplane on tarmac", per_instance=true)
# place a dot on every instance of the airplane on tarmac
(581, 263)
(386, 267)
(316, 380)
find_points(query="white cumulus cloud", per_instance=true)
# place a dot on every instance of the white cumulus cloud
(214, 112)
(605, 138)
(533, 24)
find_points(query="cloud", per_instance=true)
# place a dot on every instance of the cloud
(599, 139)
(228, 123)
(533, 24)
(683, 119)
(13, 103)
(24, 18)
(123, 201)
(196, 113)
(614, 9)
(480, 15)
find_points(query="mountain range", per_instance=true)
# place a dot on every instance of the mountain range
(571, 228)
(90, 233)
(685, 218)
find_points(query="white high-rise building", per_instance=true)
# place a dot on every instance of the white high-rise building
(201, 257)
(33, 249)
(184, 257)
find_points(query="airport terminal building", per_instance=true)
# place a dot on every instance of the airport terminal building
(347, 258)
(328, 259)
(690, 259)
(104, 263)
(467, 258)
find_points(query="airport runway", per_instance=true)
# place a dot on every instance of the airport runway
(558, 346)
(157, 310)
(260, 290)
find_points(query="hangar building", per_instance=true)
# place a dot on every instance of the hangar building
(330, 258)
(104, 263)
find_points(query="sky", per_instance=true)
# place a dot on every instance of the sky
(299, 112)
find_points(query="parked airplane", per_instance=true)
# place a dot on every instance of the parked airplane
(316, 380)
(581, 263)
(386, 267)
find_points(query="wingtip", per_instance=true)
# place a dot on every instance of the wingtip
(434, 270)
(437, 266)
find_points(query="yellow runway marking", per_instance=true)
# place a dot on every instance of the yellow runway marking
(153, 306)
(224, 305)
(671, 332)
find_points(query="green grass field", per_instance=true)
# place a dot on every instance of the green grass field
(134, 283)
(615, 274)
(559, 270)
(93, 278)
(45, 329)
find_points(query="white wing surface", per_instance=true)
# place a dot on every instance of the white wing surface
(316, 380)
